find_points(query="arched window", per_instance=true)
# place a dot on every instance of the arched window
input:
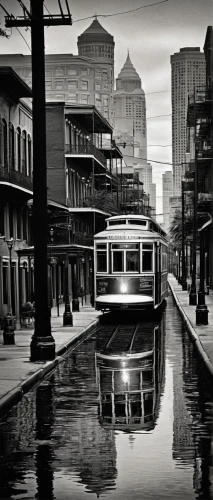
(29, 148)
(19, 149)
(4, 142)
(24, 152)
(11, 146)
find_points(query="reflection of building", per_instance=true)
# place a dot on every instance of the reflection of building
(86, 78)
(188, 70)
(130, 370)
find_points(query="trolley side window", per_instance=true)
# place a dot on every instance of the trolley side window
(101, 255)
(147, 257)
(125, 258)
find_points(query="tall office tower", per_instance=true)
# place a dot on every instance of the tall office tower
(167, 193)
(188, 70)
(130, 113)
(86, 78)
(152, 199)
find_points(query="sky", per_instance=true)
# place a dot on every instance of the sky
(151, 35)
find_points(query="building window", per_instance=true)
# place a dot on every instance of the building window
(59, 71)
(11, 146)
(59, 84)
(105, 75)
(84, 85)
(72, 97)
(11, 221)
(18, 224)
(24, 152)
(19, 149)
(29, 151)
(71, 71)
(2, 226)
(5, 282)
(4, 142)
(98, 73)
(84, 99)
(85, 71)
(72, 84)
(48, 85)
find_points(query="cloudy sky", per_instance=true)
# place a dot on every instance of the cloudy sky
(151, 34)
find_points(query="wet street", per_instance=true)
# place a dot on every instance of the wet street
(127, 415)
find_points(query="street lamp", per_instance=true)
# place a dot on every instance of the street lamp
(9, 325)
(67, 316)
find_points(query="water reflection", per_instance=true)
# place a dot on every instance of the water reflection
(130, 375)
(124, 416)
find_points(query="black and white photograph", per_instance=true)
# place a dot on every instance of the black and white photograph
(106, 249)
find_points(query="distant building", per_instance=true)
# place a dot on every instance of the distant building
(167, 193)
(130, 112)
(86, 78)
(188, 70)
(153, 199)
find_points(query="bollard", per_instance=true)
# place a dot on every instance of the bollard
(9, 329)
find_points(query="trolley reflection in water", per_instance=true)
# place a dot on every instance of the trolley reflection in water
(130, 376)
(130, 263)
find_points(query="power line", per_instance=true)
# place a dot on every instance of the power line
(141, 117)
(120, 13)
(154, 161)
(20, 33)
(157, 92)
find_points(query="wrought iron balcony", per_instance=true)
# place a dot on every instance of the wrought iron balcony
(17, 178)
(84, 150)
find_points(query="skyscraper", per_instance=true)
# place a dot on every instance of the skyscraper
(188, 70)
(167, 193)
(130, 113)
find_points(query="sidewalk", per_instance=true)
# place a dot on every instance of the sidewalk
(202, 335)
(17, 374)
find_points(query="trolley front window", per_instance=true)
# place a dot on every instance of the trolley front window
(101, 258)
(125, 257)
(147, 257)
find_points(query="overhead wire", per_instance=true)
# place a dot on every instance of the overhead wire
(120, 13)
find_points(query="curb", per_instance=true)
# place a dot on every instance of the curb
(14, 396)
(193, 334)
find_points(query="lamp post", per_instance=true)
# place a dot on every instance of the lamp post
(184, 283)
(193, 291)
(67, 316)
(9, 325)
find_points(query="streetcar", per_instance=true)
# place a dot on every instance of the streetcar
(130, 264)
(130, 374)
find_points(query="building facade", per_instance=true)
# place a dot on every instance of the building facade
(86, 78)
(130, 113)
(188, 69)
(167, 194)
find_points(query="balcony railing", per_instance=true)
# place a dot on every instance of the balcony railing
(17, 178)
(86, 149)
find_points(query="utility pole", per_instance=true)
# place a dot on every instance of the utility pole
(43, 343)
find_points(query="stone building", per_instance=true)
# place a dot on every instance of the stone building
(86, 78)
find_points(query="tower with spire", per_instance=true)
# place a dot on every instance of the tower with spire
(130, 113)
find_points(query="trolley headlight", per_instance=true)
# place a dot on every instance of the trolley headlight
(123, 288)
